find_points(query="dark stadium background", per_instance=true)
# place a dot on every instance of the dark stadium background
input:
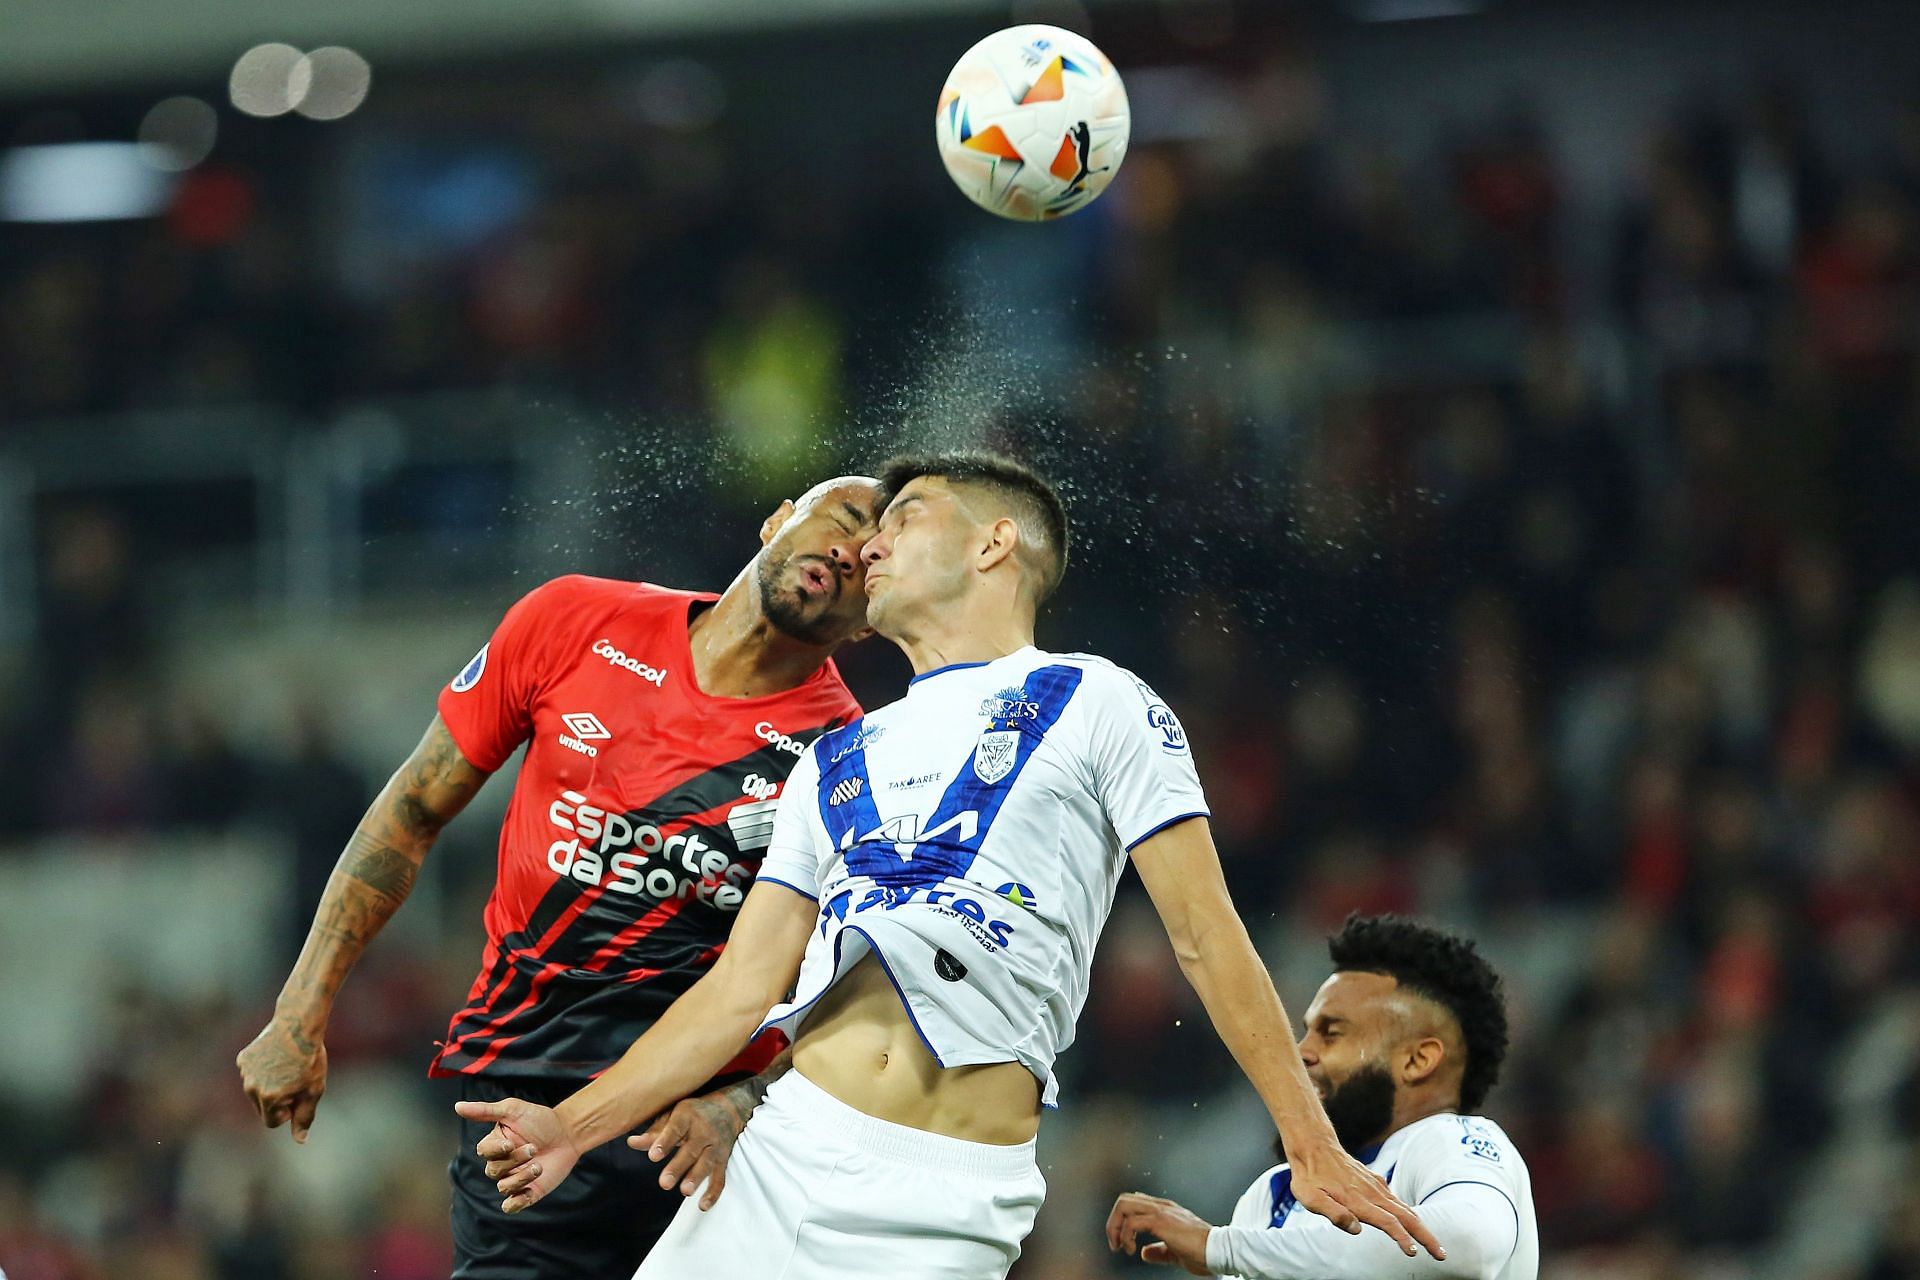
(1494, 426)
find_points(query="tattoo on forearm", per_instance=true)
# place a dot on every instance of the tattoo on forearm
(383, 858)
(382, 868)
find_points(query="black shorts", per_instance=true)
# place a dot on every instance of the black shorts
(597, 1225)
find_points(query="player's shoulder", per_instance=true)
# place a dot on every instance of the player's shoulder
(573, 589)
(1097, 673)
(576, 593)
(1117, 690)
(828, 688)
(1461, 1142)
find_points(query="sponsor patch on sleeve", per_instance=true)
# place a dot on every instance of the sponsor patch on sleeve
(1479, 1143)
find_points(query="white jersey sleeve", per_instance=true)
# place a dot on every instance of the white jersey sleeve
(1459, 1172)
(799, 851)
(1143, 774)
(1472, 1221)
(1453, 1149)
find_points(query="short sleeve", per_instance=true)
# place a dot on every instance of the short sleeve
(1143, 772)
(488, 706)
(794, 857)
(1458, 1149)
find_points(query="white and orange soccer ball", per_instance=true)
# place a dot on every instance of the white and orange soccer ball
(1033, 122)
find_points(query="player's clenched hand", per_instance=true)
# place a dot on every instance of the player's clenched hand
(1339, 1188)
(284, 1072)
(529, 1153)
(1182, 1234)
(699, 1134)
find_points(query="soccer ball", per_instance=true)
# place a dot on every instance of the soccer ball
(1032, 123)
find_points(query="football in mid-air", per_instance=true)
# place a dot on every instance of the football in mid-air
(1033, 122)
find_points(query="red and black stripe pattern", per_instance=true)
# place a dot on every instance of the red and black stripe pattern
(594, 962)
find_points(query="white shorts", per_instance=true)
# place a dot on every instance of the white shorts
(819, 1191)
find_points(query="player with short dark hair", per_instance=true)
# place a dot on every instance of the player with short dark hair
(1402, 1042)
(659, 726)
(1036, 508)
(925, 922)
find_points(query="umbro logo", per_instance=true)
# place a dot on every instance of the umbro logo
(585, 728)
(846, 791)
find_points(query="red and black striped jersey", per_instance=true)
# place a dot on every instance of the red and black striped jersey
(639, 818)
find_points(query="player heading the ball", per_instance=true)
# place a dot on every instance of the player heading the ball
(939, 875)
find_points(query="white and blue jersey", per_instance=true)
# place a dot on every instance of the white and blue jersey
(971, 835)
(1461, 1173)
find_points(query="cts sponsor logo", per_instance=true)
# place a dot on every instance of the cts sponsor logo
(1010, 704)
(758, 787)
(767, 733)
(586, 727)
(655, 676)
(610, 849)
(470, 674)
(846, 791)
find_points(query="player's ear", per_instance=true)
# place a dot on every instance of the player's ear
(1422, 1059)
(1001, 540)
(773, 523)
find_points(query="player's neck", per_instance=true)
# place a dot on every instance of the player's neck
(975, 635)
(739, 653)
(1412, 1110)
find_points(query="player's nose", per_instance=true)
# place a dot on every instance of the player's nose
(845, 557)
(873, 551)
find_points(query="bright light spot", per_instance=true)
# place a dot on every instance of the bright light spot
(178, 133)
(80, 182)
(270, 80)
(337, 83)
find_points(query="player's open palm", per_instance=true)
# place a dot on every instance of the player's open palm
(529, 1153)
(284, 1072)
(1339, 1188)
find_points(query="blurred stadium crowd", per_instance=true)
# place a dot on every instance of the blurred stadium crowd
(1579, 608)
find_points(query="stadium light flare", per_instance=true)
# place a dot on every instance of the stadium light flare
(337, 83)
(270, 80)
(81, 182)
(178, 133)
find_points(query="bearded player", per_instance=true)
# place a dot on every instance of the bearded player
(660, 726)
(939, 875)
(1403, 1042)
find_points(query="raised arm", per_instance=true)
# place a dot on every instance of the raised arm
(284, 1070)
(534, 1148)
(1181, 871)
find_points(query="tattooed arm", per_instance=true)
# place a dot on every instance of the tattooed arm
(284, 1070)
(699, 1133)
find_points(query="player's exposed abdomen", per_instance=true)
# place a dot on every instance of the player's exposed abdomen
(859, 1045)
